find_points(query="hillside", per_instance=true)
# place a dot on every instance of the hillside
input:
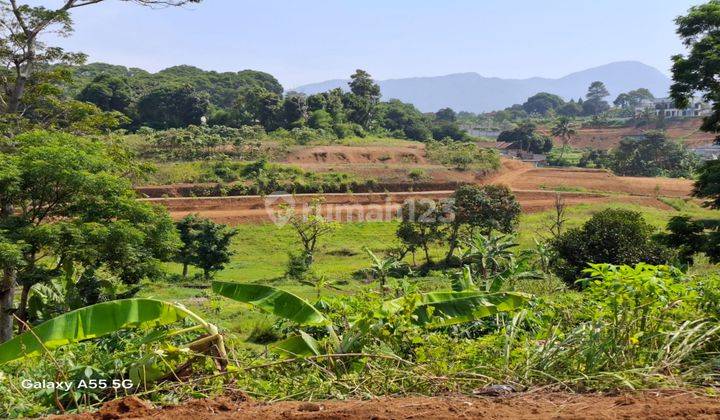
(476, 93)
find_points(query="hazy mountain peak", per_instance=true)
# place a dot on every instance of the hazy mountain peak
(472, 92)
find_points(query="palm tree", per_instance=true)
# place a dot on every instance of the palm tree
(565, 131)
(381, 268)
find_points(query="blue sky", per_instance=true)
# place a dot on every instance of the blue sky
(314, 40)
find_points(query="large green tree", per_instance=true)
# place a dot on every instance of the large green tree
(206, 244)
(173, 107)
(699, 70)
(481, 209)
(595, 103)
(23, 52)
(67, 208)
(542, 103)
(363, 98)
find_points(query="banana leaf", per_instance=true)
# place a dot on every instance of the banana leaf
(301, 345)
(439, 309)
(270, 299)
(92, 322)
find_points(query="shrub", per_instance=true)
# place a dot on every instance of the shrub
(611, 236)
(298, 266)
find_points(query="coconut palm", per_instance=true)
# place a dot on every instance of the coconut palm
(564, 130)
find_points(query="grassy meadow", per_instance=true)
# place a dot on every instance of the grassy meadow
(261, 254)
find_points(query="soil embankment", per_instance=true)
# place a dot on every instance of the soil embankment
(532, 405)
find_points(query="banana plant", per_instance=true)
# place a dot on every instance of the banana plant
(382, 267)
(433, 310)
(105, 318)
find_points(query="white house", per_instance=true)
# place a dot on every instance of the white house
(666, 107)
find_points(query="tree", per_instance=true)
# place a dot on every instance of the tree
(310, 227)
(524, 137)
(211, 246)
(653, 154)
(686, 236)
(542, 103)
(484, 208)
(446, 114)
(68, 208)
(258, 105)
(697, 72)
(363, 98)
(565, 131)
(397, 116)
(611, 236)
(570, 109)
(442, 130)
(707, 184)
(595, 103)
(172, 107)
(22, 51)
(421, 226)
(187, 231)
(633, 98)
(108, 93)
(320, 119)
(294, 110)
(597, 91)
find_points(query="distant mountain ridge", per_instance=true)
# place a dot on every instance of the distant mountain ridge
(475, 93)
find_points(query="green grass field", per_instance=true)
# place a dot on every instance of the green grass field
(261, 255)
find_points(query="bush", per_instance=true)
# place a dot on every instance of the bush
(611, 236)
(298, 266)
(462, 156)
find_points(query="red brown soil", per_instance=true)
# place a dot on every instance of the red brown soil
(535, 189)
(687, 130)
(357, 155)
(532, 405)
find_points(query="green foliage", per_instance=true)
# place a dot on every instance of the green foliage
(483, 209)
(543, 103)
(610, 236)
(205, 244)
(653, 155)
(362, 101)
(525, 138)
(93, 322)
(695, 72)
(172, 107)
(707, 185)
(108, 93)
(462, 156)
(70, 209)
(272, 300)
(396, 116)
(421, 226)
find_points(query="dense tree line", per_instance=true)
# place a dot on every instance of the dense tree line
(651, 154)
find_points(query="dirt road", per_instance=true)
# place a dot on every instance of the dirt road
(535, 189)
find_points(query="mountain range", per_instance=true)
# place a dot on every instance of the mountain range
(475, 93)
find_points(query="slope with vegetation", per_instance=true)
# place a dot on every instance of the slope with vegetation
(465, 293)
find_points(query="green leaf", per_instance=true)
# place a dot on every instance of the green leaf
(92, 322)
(270, 299)
(297, 346)
(439, 309)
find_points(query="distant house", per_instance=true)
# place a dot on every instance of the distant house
(710, 152)
(666, 108)
(509, 150)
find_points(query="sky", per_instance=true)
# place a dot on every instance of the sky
(309, 41)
